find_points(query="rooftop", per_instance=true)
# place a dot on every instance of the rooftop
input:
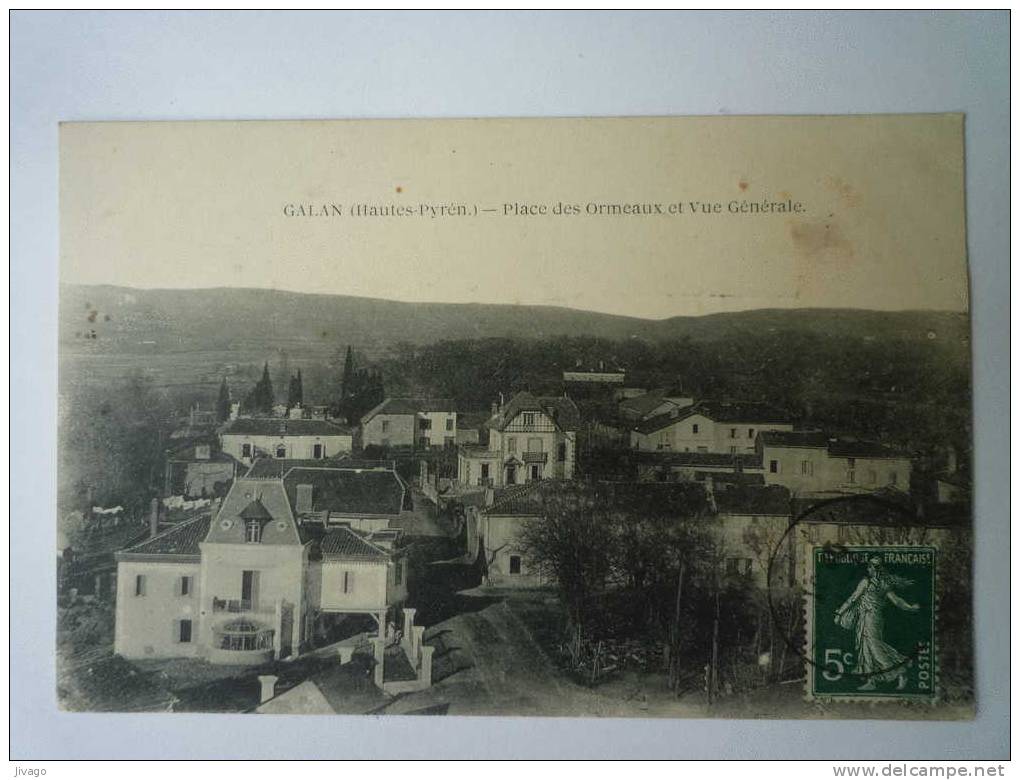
(181, 540)
(682, 498)
(742, 460)
(346, 543)
(751, 413)
(799, 439)
(561, 410)
(348, 491)
(280, 426)
(410, 406)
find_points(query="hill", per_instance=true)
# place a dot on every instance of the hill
(122, 320)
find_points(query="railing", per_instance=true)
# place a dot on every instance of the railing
(233, 605)
(486, 482)
(536, 457)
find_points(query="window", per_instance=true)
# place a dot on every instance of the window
(245, 450)
(694, 428)
(281, 451)
(511, 444)
(184, 631)
(528, 418)
(534, 445)
(348, 582)
(252, 531)
(536, 471)
(449, 423)
(423, 442)
(561, 453)
(139, 584)
(807, 468)
(893, 477)
(449, 441)
(511, 475)
(185, 586)
(851, 476)
(425, 424)
(317, 451)
(385, 426)
(733, 450)
(515, 564)
(733, 433)
(872, 477)
(398, 572)
(249, 587)
(485, 471)
(750, 433)
(773, 466)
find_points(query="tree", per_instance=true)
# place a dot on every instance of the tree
(295, 391)
(260, 400)
(347, 382)
(223, 402)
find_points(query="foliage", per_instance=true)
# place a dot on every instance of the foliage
(261, 398)
(223, 402)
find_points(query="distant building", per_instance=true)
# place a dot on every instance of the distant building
(812, 462)
(252, 583)
(410, 422)
(708, 427)
(695, 466)
(198, 470)
(250, 438)
(753, 525)
(644, 406)
(529, 439)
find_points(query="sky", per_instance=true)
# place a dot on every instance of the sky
(641, 217)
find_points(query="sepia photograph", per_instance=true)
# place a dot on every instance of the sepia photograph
(644, 417)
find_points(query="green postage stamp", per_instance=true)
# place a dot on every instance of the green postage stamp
(871, 623)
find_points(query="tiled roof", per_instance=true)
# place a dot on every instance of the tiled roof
(800, 439)
(280, 426)
(727, 478)
(561, 410)
(256, 510)
(348, 491)
(718, 411)
(748, 460)
(680, 498)
(182, 540)
(844, 448)
(277, 467)
(410, 406)
(228, 527)
(641, 405)
(346, 543)
(754, 500)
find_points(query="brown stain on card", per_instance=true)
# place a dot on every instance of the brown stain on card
(821, 252)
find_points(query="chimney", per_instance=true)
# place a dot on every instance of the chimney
(268, 682)
(303, 502)
(495, 408)
(154, 517)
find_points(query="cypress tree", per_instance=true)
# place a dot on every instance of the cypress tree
(223, 402)
(346, 387)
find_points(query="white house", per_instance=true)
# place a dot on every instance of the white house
(251, 583)
(410, 422)
(249, 438)
(529, 439)
(812, 462)
(708, 426)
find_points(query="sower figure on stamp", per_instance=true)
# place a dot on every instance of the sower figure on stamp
(862, 614)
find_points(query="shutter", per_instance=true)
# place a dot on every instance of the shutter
(175, 626)
(178, 586)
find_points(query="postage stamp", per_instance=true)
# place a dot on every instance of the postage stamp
(871, 622)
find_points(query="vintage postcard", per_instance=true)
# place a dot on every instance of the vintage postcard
(650, 417)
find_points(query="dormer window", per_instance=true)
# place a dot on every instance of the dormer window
(528, 418)
(252, 531)
(281, 451)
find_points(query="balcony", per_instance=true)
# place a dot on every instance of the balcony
(485, 482)
(536, 457)
(238, 606)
